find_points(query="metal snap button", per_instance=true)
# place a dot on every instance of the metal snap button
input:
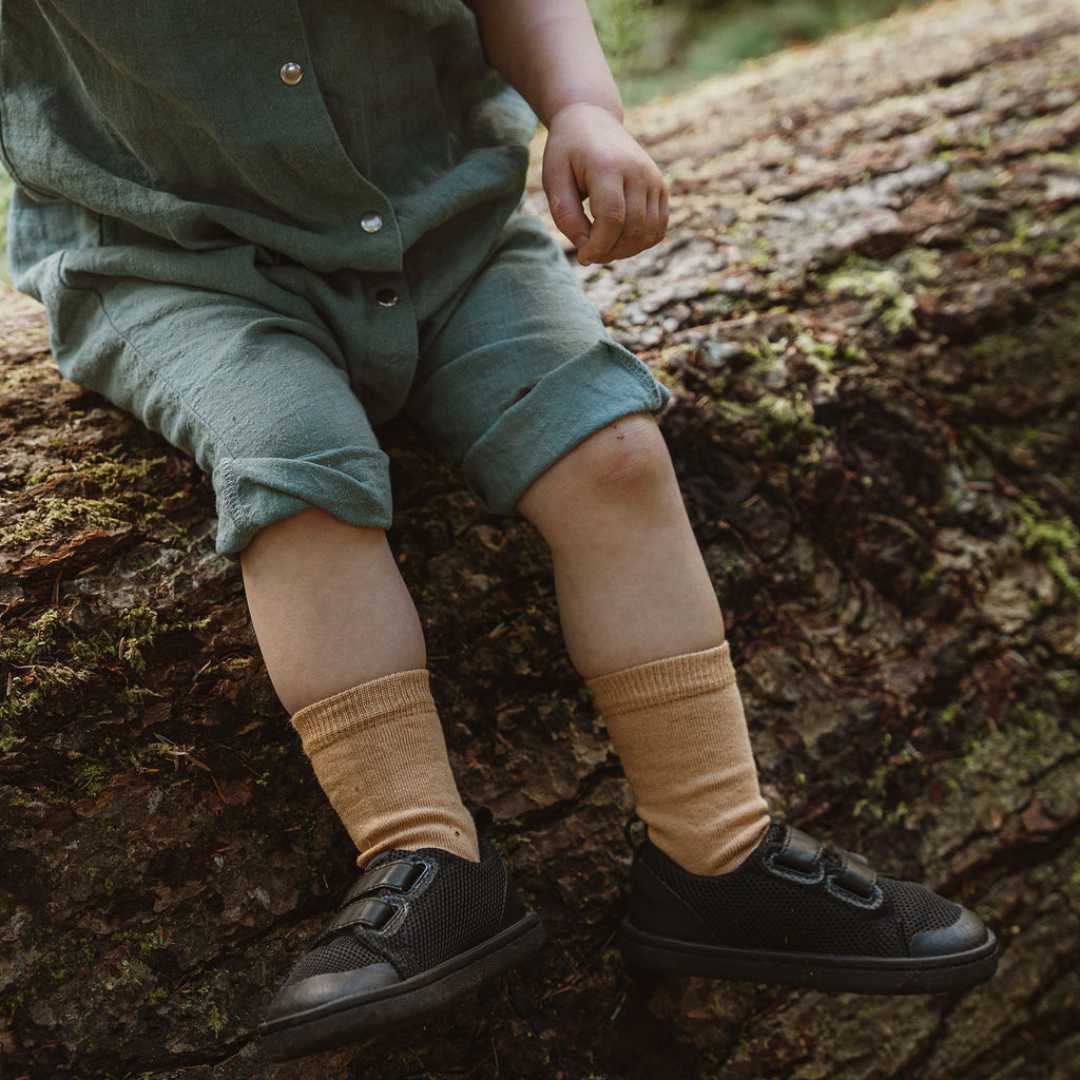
(386, 297)
(371, 223)
(291, 73)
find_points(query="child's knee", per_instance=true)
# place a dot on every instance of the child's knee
(626, 463)
(624, 459)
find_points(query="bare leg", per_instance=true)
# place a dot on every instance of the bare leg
(631, 583)
(329, 607)
(643, 626)
(344, 646)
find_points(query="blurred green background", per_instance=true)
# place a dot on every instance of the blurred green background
(660, 46)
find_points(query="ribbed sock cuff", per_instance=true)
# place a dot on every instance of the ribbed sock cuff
(379, 753)
(678, 727)
(661, 682)
(401, 694)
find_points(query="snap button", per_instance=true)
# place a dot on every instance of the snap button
(386, 297)
(291, 73)
(371, 223)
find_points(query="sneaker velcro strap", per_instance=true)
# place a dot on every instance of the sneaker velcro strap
(398, 876)
(855, 874)
(368, 911)
(799, 851)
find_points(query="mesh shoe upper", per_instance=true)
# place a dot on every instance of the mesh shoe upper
(456, 904)
(754, 907)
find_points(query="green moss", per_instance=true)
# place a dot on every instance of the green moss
(91, 776)
(108, 491)
(215, 1020)
(49, 513)
(1066, 683)
(132, 972)
(48, 655)
(63, 954)
(947, 716)
(30, 641)
(874, 785)
(788, 415)
(24, 649)
(1027, 742)
(682, 43)
(821, 355)
(891, 289)
(921, 264)
(762, 256)
(109, 474)
(781, 416)
(10, 1002)
(865, 807)
(140, 629)
(9, 740)
(1032, 234)
(1055, 540)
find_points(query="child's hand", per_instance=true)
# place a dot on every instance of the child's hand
(589, 153)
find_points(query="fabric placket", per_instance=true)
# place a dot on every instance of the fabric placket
(393, 345)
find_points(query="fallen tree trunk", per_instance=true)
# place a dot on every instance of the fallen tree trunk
(868, 307)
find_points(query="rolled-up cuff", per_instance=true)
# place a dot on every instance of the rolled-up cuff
(562, 409)
(353, 484)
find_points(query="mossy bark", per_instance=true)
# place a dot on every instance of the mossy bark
(868, 307)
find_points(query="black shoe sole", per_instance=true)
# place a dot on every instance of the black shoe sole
(839, 974)
(339, 1022)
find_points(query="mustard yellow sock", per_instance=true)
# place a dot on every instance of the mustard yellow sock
(379, 753)
(678, 727)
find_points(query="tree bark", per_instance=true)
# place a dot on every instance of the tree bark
(868, 307)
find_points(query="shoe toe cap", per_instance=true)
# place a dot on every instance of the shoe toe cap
(304, 995)
(966, 933)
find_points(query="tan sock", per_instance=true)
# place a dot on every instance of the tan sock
(379, 753)
(678, 727)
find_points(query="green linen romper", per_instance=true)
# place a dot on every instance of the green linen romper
(266, 229)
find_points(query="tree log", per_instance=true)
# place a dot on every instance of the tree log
(868, 307)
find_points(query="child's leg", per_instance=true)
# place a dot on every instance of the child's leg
(329, 607)
(550, 417)
(630, 579)
(263, 399)
(643, 626)
(344, 648)
(303, 497)
(774, 904)
(520, 383)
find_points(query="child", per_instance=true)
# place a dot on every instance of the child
(267, 230)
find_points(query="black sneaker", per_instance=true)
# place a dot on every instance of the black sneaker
(800, 913)
(417, 930)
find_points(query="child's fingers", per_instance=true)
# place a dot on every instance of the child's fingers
(564, 202)
(607, 203)
(654, 227)
(635, 235)
(664, 208)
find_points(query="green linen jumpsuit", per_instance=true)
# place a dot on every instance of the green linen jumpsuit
(266, 228)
